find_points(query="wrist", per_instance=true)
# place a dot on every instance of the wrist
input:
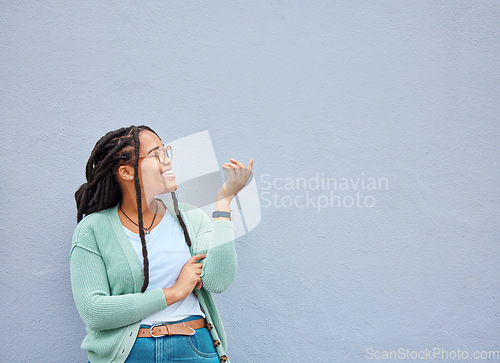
(223, 205)
(222, 215)
(171, 295)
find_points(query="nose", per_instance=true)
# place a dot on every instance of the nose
(165, 161)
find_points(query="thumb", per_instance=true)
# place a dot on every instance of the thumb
(195, 258)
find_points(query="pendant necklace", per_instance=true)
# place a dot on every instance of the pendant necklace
(146, 229)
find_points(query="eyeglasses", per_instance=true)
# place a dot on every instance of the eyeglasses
(161, 154)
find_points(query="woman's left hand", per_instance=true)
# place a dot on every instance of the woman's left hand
(238, 177)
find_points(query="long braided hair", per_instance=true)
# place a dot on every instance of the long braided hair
(102, 191)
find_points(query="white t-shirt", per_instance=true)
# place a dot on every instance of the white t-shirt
(168, 252)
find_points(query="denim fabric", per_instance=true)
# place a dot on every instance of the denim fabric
(175, 348)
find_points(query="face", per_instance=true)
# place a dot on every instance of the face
(156, 178)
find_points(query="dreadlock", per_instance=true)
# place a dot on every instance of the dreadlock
(102, 191)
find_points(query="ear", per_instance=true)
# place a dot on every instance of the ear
(125, 173)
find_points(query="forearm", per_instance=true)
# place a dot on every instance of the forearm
(220, 265)
(99, 309)
(222, 204)
(220, 269)
(110, 312)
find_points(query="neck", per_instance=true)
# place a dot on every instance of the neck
(149, 208)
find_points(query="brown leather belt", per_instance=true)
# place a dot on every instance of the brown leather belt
(159, 330)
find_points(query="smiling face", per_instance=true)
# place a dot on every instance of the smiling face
(155, 177)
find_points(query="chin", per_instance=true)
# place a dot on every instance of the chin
(170, 189)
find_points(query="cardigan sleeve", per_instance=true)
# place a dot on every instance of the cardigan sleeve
(216, 239)
(98, 308)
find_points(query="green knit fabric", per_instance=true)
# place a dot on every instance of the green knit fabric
(106, 278)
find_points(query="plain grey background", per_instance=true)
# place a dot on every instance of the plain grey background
(402, 90)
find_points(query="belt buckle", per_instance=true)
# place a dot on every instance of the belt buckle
(154, 326)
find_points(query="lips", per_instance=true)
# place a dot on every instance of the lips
(168, 174)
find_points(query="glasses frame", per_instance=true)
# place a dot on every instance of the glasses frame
(168, 150)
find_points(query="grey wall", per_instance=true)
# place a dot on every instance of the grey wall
(402, 90)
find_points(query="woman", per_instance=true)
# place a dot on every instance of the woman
(142, 270)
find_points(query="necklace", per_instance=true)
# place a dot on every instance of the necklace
(146, 229)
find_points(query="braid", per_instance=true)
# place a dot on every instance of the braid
(102, 190)
(181, 220)
(138, 196)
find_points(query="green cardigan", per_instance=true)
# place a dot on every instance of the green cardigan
(106, 279)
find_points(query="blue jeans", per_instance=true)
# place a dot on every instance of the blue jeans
(197, 348)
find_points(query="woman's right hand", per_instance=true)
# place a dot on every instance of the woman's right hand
(189, 277)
